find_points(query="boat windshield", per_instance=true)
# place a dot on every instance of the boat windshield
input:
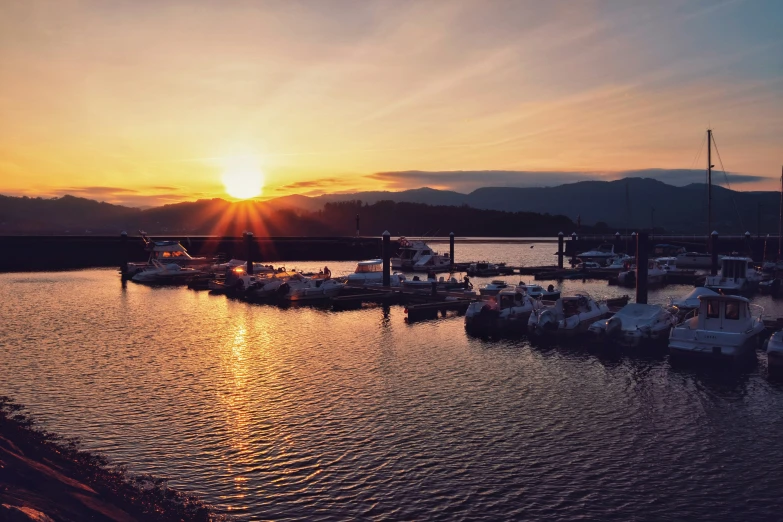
(365, 269)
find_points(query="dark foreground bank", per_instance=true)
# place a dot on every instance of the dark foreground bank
(45, 477)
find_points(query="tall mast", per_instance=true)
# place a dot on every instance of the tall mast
(709, 188)
(780, 220)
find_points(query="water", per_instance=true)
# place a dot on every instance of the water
(304, 413)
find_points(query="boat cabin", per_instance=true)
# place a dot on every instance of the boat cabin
(727, 313)
(368, 267)
(573, 305)
(508, 298)
(736, 267)
(167, 250)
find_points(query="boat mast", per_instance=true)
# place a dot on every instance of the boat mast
(709, 187)
(780, 220)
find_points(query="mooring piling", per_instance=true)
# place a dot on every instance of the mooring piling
(617, 242)
(748, 244)
(451, 250)
(386, 254)
(642, 240)
(124, 252)
(560, 249)
(573, 248)
(249, 251)
(357, 225)
(714, 240)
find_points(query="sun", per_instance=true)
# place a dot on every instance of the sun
(243, 179)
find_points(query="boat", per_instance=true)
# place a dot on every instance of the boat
(483, 269)
(493, 288)
(569, 315)
(370, 273)
(635, 324)
(737, 274)
(508, 312)
(656, 275)
(417, 256)
(775, 352)
(621, 262)
(691, 301)
(725, 325)
(441, 283)
(166, 252)
(694, 260)
(770, 287)
(586, 266)
(299, 288)
(669, 265)
(666, 250)
(169, 274)
(267, 287)
(538, 292)
(602, 255)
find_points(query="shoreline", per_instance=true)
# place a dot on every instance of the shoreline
(47, 477)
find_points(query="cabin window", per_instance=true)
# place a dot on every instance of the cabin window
(166, 254)
(732, 311)
(713, 310)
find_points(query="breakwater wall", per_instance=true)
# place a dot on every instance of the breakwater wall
(35, 253)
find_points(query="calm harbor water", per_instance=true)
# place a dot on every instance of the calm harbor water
(308, 414)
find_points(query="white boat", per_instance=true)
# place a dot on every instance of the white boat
(538, 292)
(416, 255)
(726, 325)
(568, 316)
(166, 252)
(737, 274)
(601, 255)
(493, 288)
(258, 268)
(169, 273)
(656, 275)
(441, 283)
(691, 301)
(669, 265)
(301, 288)
(267, 286)
(775, 352)
(483, 269)
(621, 262)
(509, 311)
(587, 265)
(370, 273)
(636, 323)
(694, 260)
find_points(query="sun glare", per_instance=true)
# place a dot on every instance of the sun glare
(243, 180)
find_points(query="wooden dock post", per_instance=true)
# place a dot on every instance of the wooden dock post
(386, 258)
(124, 252)
(451, 250)
(357, 225)
(642, 246)
(714, 240)
(249, 251)
(748, 244)
(573, 248)
(560, 249)
(617, 243)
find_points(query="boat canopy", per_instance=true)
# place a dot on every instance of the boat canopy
(692, 299)
(373, 265)
(638, 314)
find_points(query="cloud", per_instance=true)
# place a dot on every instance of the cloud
(97, 190)
(467, 180)
(311, 184)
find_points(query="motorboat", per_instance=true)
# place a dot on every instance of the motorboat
(302, 288)
(691, 301)
(166, 252)
(483, 269)
(621, 262)
(694, 260)
(725, 325)
(775, 352)
(267, 287)
(634, 324)
(231, 264)
(656, 275)
(169, 273)
(493, 288)
(441, 283)
(509, 311)
(669, 265)
(416, 255)
(601, 255)
(538, 292)
(585, 266)
(737, 274)
(770, 287)
(370, 273)
(568, 316)
(666, 250)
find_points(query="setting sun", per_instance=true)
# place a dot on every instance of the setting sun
(243, 180)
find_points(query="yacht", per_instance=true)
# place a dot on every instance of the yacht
(634, 324)
(509, 310)
(656, 275)
(737, 274)
(569, 315)
(267, 287)
(725, 325)
(538, 292)
(370, 273)
(417, 256)
(493, 288)
(601, 255)
(167, 252)
(169, 273)
(301, 288)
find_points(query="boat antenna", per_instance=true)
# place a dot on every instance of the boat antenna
(709, 188)
(780, 221)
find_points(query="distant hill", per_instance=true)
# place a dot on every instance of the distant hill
(613, 205)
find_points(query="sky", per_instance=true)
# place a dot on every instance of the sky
(147, 103)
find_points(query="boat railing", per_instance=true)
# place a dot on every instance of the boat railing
(756, 311)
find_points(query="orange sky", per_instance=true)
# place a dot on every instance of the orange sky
(149, 102)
